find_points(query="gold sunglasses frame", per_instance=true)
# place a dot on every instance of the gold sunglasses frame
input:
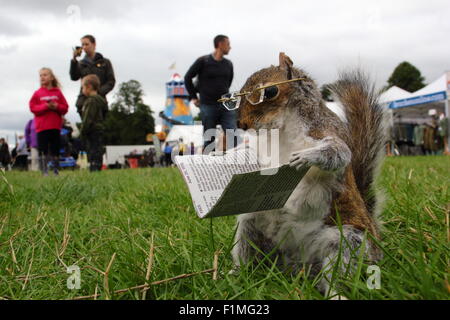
(245, 93)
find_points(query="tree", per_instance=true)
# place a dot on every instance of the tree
(407, 77)
(115, 120)
(198, 117)
(326, 92)
(129, 96)
(130, 119)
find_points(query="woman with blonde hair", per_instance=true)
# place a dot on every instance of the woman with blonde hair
(48, 105)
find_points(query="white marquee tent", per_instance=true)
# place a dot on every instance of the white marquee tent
(336, 108)
(394, 93)
(118, 153)
(189, 133)
(416, 105)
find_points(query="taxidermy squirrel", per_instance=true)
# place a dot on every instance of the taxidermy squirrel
(326, 219)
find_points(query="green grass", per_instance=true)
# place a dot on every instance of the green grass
(117, 212)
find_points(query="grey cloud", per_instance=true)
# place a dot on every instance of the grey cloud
(6, 50)
(88, 8)
(16, 121)
(10, 27)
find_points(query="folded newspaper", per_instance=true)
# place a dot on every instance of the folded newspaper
(235, 184)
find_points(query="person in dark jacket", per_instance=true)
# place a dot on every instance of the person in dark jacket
(215, 74)
(168, 154)
(21, 162)
(92, 63)
(92, 125)
(5, 156)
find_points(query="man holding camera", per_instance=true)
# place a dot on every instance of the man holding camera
(92, 63)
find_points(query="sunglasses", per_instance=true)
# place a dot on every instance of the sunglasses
(231, 101)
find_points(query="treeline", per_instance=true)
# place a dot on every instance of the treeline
(129, 119)
(405, 76)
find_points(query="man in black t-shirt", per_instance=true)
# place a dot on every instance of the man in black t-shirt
(215, 74)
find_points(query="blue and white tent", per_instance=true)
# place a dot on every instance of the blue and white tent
(417, 105)
(394, 93)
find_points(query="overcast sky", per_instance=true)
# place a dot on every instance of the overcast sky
(143, 38)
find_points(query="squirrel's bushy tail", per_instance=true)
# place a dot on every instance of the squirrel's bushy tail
(366, 123)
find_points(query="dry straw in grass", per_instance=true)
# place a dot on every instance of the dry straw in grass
(150, 264)
(216, 265)
(106, 278)
(29, 270)
(146, 287)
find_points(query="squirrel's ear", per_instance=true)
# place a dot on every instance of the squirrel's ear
(286, 64)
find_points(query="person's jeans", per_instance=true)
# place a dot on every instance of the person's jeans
(212, 115)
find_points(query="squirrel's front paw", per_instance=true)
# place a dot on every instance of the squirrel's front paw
(299, 159)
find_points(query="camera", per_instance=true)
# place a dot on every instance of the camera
(78, 51)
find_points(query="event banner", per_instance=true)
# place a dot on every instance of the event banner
(439, 96)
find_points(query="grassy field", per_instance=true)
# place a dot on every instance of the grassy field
(127, 228)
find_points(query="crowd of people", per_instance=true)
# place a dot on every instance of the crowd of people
(418, 137)
(207, 80)
(43, 142)
(157, 158)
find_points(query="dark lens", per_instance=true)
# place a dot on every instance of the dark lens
(231, 104)
(270, 92)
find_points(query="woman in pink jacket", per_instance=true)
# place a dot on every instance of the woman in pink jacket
(48, 105)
